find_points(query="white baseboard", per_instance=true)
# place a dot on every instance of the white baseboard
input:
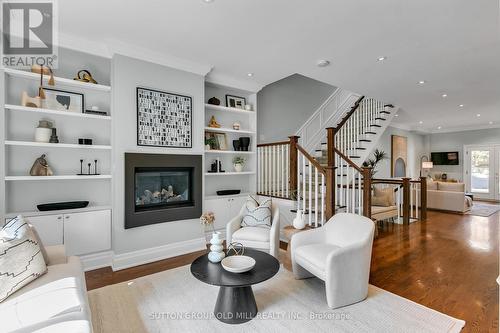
(141, 257)
(96, 260)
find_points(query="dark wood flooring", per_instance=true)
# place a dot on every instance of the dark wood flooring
(448, 263)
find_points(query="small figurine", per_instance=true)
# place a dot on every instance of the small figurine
(41, 167)
(213, 123)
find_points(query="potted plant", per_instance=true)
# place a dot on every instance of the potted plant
(378, 156)
(210, 143)
(238, 163)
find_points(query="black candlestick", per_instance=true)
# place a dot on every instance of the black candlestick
(89, 167)
(95, 167)
(81, 167)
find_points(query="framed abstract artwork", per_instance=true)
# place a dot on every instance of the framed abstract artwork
(164, 119)
(60, 100)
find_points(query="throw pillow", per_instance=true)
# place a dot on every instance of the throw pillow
(387, 192)
(21, 260)
(382, 201)
(11, 228)
(257, 214)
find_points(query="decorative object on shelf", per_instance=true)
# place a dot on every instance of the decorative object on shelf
(444, 176)
(32, 102)
(163, 119)
(237, 145)
(216, 166)
(41, 167)
(216, 253)
(299, 222)
(221, 140)
(95, 168)
(235, 102)
(43, 131)
(61, 100)
(84, 141)
(228, 192)
(84, 76)
(236, 126)
(210, 142)
(214, 101)
(53, 136)
(248, 107)
(45, 70)
(213, 123)
(62, 205)
(238, 163)
(81, 168)
(244, 143)
(237, 248)
(89, 169)
(95, 110)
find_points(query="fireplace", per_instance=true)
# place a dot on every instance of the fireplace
(161, 188)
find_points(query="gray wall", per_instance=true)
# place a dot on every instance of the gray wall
(417, 146)
(455, 141)
(127, 74)
(286, 104)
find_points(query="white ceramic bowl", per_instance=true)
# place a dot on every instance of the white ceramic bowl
(238, 264)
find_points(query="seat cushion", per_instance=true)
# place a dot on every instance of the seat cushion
(255, 234)
(451, 187)
(380, 209)
(314, 254)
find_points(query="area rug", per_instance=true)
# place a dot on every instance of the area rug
(483, 209)
(174, 301)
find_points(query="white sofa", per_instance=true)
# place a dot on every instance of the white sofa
(55, 302)
(447, 196)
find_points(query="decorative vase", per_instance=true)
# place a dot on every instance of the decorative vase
(236, 145)
(245, 143)
(216, 253)
(43, 131)
(53, 136)
(207, 147)
(238, 167)
(236, 126)
(299, 222)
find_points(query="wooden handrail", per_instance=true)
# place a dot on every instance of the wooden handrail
(278, 143)
(348, 160)
(349, 114)
(312, 160)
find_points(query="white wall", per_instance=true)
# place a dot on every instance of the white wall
(417, 146)
(440, 142)
(126, 75)
(286, 104)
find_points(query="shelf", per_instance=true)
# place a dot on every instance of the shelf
(66, 177)
(55, 112)
(211, 197)
(57, 212)
(228, 109)
(227, 130)
(229, 152)
(55, 145)
(229, 173)
(58, 80)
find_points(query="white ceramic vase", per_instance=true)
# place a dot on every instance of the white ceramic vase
(299, 222)
(216, 253)
(238, 167)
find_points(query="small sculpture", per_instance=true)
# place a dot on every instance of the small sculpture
(213, 123)
(236, 125)
(32, 102)
(214, 101)
(41, 167)
(84, 76)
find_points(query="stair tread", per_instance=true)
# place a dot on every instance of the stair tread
(354, 156)
(379, 118)
(369, 132)
(365, 140)
(375, 125)
(385, 112)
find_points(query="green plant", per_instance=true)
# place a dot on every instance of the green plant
(378, 156)
(211, 142)
(238, 160)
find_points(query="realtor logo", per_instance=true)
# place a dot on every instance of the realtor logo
(29, 32)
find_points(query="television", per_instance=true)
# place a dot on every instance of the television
(445, 158)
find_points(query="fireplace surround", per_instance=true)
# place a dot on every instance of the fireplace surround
(162, 188)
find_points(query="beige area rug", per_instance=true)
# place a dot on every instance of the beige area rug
(483, 210)
(174, 301)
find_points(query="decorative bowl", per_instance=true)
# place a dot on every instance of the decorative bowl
(238, 264)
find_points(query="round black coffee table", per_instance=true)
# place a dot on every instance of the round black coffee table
(236, 302)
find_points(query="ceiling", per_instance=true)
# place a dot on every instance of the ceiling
(453, 45)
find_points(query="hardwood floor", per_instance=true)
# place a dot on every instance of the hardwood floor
(448, 263)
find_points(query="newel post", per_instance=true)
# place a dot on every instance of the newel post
(423, 198)
(367, 192)
(294, 140)
(406, 201)
(331, 183)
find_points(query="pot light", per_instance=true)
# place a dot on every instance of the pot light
(461, 106)
(491, 123)
(250, 74)
(420, 122)
(323, 63)
(381, 58)
(396, 115)
(439, 127)
(208, 1)
(478, 115)
(444, 95)
(421, 82)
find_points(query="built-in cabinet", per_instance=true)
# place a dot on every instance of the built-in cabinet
(50, 228)
(224, 208)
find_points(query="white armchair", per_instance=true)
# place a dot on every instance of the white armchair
(256, 237)
(338, 253)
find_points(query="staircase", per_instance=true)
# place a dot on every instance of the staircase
(328, 176)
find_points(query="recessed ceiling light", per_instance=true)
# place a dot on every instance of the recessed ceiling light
(396, 115)
(208, 1)
(439, 127)
(478, 115)
(381, 58)
(323, 63)
(421, 82)
(420, 122)
(444, 95)
(461, 106)
(250, 74)
(491, 123)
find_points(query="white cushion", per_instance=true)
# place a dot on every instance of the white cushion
(256, 234)
(432, 185)
(257, 214)
(315, 254)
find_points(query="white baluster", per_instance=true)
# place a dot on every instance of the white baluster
(316, 197)
(298, 180)
(310, 192)
(323, 199)
(360, 206)
(348, 210)
(287, 166)
(304, 189)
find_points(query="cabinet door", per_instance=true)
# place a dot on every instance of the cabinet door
(220, 209)
(235, 205)
(87, 232)
(49, 228)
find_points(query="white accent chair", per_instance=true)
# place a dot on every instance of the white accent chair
(258, 238)
(338, 253)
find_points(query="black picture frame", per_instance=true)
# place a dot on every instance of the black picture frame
(140, 122)
(236, 102)
(47, 94)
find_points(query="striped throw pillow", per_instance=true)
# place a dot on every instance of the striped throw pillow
(257, 214)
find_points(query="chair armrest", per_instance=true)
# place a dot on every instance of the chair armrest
(301, 238)
(231, 227)
(56, 254)
(274, 237)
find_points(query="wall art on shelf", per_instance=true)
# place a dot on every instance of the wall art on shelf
(163, 119)
(61, 100)
(221, 140)
(235, 102)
